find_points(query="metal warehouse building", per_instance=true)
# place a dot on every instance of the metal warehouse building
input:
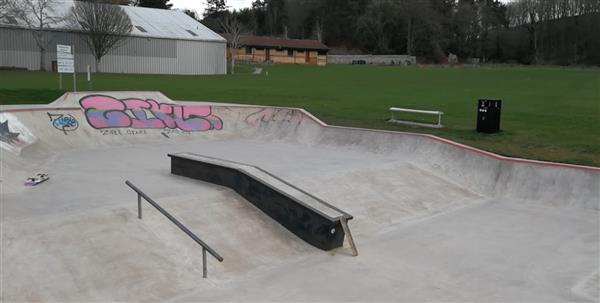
(161, 42)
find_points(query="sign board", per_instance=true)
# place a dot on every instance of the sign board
(63, 48)
(64, 56)
(66, 69)
(65, 62)
(65, 59)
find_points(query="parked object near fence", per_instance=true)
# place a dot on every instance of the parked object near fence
(372, 59)
(394, 110)
(472, 61)
(452, 59)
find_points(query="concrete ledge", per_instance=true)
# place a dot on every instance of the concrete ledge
(308, 217)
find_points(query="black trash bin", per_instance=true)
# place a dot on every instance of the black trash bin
(488, 115)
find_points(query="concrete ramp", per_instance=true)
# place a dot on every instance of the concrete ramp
(436, 220)
(108, 254)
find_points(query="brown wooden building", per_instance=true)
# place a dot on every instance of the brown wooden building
(260, 49)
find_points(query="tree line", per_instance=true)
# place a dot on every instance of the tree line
(522, 31)
(561, 32)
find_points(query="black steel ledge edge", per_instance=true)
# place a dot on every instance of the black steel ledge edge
(311, 226)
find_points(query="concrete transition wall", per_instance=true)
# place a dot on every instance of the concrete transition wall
(79, 120)
(135, 55)
(372, 59)
(434, 220)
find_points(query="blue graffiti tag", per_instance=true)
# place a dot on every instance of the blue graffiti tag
(65, 123)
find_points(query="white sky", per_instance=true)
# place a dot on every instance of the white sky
(199, 5)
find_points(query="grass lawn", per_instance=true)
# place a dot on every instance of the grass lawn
(549, 113)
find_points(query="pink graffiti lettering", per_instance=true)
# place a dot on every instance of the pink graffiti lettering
(108, 112)
(274, 115)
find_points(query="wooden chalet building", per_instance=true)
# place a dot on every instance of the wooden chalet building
(259, 49)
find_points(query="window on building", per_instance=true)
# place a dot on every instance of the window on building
(191, 33)
(248, 50)
(141, 29)
(322, 53)
(300, 52)
(290, 53)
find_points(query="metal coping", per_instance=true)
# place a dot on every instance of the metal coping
(214, 160)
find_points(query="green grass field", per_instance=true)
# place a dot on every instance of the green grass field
(549, 113)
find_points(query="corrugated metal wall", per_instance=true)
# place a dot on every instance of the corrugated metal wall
(135, 55)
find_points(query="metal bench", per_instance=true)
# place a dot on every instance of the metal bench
(417, 111)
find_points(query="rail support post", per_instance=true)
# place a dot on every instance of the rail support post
(349, 237)
(204, 271)
(139, 206)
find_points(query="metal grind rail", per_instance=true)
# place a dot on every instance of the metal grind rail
(205, 247)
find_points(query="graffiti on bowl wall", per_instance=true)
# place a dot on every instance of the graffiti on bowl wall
(6, 135)
(274, 115)
(64, 122)
(14, 135)
(104, 112)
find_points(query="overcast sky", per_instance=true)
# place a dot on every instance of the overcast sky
(198, 5)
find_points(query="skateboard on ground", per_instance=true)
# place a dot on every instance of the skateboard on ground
(39, 178)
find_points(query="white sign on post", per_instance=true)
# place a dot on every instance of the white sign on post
(65, 59)
(66, 69)
(64, 56)
(63, 48)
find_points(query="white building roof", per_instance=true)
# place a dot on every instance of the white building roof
(146, 22)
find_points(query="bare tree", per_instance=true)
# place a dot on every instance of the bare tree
(319, 30)
(516, 13)
(105, 26)
(4, 8)
(532, 11)
(377, 22)
(38, 16)
(234, 30)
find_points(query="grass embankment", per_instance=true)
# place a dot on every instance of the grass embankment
(548, 113)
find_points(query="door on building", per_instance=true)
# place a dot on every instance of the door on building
(267, 54)
(307, 60)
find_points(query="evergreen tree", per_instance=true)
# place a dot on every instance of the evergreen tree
(524, 31)
(162, 4)
(191, 13)
(214, 7)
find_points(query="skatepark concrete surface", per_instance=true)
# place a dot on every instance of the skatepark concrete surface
(434, 220)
